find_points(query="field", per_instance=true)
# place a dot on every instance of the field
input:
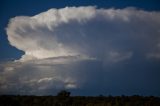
(61, 100)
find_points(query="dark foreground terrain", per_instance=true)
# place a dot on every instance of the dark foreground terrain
(67, 100)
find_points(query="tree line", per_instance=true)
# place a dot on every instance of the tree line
(63, 98)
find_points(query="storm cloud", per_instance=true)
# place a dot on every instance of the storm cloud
(83, 47)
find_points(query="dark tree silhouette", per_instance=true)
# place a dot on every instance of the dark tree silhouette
(63, 98)
(63, 93)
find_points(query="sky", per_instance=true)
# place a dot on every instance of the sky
(88, 47)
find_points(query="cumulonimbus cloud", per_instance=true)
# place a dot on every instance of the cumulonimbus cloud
(83, 30)
(59, 42)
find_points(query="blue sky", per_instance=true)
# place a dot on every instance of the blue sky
(115, 50)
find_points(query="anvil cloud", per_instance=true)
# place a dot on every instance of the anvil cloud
(61, 45)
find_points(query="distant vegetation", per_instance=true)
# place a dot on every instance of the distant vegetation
(63, 98)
